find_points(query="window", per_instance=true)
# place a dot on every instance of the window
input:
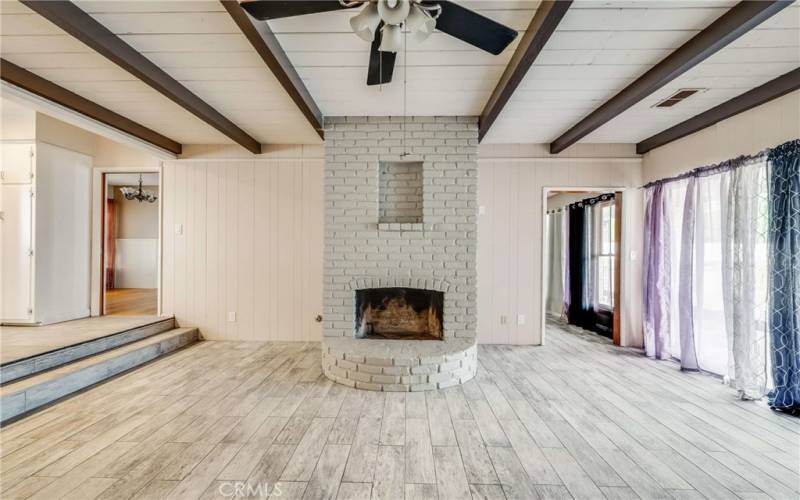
(605, 253)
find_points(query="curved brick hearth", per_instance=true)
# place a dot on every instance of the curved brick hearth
(399, 365)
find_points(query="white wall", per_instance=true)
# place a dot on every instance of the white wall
(511, 182)
(244, 236)
(136, 263)
(17, 122)
(764, 126)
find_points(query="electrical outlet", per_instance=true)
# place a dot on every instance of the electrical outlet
(503, 320)
(520, 319)
(232, 317)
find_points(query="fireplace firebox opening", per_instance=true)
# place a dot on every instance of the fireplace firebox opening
(399, 313)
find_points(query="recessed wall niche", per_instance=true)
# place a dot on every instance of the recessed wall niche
(399, 192)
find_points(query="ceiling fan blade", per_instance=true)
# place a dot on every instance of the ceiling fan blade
(381, 64)
(264, 10)
(473, 28)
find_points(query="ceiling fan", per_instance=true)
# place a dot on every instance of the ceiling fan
(381, 22)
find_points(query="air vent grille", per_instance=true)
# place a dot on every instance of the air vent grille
(677, 97)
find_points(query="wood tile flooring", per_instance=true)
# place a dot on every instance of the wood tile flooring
(575, 418)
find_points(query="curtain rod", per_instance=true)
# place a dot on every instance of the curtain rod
(594, 199)
(588, 201)
(715, 168)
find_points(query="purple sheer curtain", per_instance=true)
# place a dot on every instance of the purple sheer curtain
(657, 273)
(686, 291)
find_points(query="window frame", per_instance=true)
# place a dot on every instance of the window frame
(610, 253)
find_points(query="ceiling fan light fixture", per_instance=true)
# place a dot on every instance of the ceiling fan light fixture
(365, 23)
(394, 11)
(420, 24)
(391, 38)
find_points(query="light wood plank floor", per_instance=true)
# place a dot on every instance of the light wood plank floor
(576, 418)
(132, 302)
(17, 342)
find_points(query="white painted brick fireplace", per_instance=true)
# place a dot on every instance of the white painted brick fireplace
(364, 250)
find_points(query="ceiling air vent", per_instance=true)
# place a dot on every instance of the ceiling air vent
(677, 97)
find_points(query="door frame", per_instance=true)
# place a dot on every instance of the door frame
(98, 233)
(619, 194)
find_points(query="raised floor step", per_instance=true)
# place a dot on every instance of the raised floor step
(25, 395)
(39, 363)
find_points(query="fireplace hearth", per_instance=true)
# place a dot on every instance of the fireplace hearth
(399, 313)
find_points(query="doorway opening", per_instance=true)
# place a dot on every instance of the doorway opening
(582, 259)
(130, 244)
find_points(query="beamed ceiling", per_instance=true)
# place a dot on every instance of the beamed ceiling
(597, 49)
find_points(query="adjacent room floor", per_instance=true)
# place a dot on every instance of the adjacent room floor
(132, 302)
(18, 342)
(577, 417)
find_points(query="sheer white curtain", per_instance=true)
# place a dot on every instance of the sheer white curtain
(714, 260)
(556, 261)
(723, 286)
(674, 196)
(710, 336)
(744, 203)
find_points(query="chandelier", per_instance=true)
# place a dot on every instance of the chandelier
(419, 19)
(138, 194)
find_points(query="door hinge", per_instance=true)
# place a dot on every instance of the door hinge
(30, 311)
(30, 252)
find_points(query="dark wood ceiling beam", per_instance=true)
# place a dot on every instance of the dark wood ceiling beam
(740, 19)
(541, 28)
(35, 84)
(771, 90)
(267, 46)
(70, 18)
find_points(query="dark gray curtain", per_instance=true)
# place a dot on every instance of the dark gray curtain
(784, 281)
(581, 308)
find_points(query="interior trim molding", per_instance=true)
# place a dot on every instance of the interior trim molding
(543, 25)
(72, 19)
(737, 21)
(773, 89)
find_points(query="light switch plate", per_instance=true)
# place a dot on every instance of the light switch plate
(178, 229)
(232, 317)
(520, 319)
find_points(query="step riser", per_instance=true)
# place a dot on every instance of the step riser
(15, 404)
(50, 360)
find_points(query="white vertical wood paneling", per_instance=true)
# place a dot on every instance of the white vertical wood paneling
(527, 270)
(510, 235)
(485, 246)
(211, 318)
(251, 244)
(245, 260)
